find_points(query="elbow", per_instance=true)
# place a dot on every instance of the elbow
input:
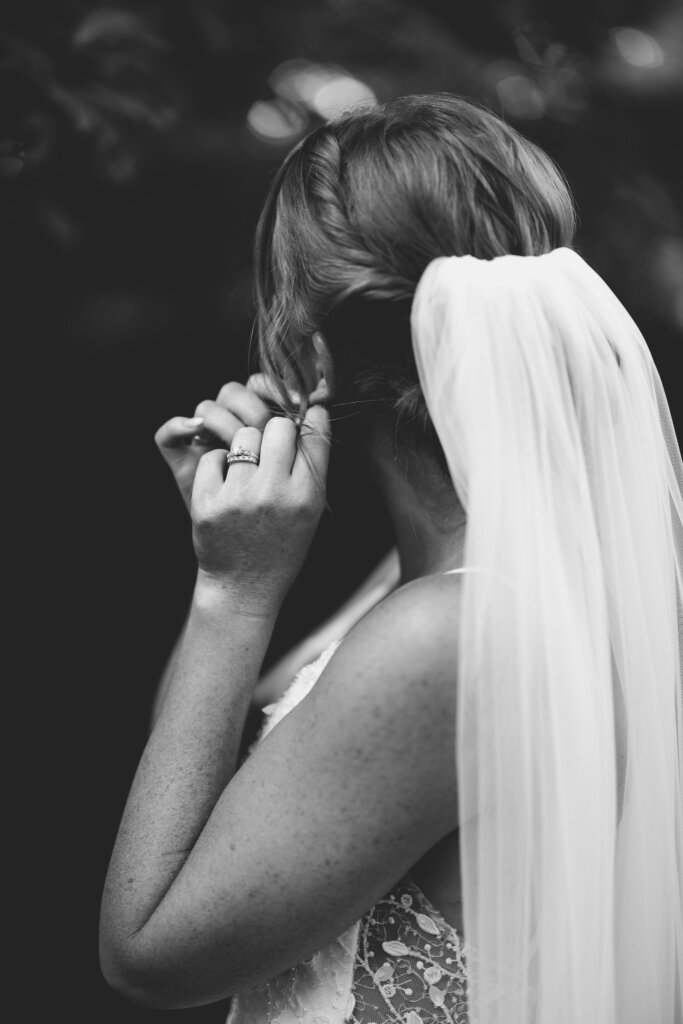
(142, 987)
(134, 978)
(128, 977)
(142, 979)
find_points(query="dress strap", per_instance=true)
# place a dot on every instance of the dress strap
(478, 568)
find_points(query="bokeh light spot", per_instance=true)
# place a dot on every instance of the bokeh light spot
(637, 47)
(521, 97)
(667, 268)
(275, 122)
(298, 80)
(324, 89)
(339, 93)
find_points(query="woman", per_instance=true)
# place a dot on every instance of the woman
(469, 807)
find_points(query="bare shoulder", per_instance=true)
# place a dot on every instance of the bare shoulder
(402, 655)
(383, 712)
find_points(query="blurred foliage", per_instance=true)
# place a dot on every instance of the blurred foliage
(80, 91)
(127, 167)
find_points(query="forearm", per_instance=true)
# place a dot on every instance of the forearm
(167, 674)
(190, 756)
(165, 680)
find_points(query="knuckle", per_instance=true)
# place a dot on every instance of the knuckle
(308, 501)
(204, 510)
(247, 436)
(176, 425)
(293, 502)
(261, 417)
(275, 497)
(262, 390)
(204, 407)
(200, 513)
(281, 425)
(207, 458)
(240, 506)
(229, 391)
(306, 509)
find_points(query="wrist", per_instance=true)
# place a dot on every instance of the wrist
(229, 598)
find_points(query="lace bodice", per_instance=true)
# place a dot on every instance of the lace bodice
(409, 964)
(400, 963)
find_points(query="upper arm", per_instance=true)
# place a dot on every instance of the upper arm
(344, 795)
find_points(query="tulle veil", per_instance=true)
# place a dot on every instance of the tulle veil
(560, 443)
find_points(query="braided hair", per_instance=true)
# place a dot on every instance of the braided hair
(356, 212)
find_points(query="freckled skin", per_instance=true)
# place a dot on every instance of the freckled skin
(368, 795)
(242, 874)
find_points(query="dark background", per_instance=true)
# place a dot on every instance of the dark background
(136, 144)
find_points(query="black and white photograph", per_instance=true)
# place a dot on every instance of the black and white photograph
(344, 489)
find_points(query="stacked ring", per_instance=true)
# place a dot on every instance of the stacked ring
(240, 454)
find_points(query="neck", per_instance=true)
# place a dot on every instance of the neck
(429, 522)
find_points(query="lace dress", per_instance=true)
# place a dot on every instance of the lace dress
(400, 963)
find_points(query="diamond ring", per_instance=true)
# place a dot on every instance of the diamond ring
(240, 454)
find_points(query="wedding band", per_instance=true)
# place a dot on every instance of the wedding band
(239, 449)
(240, 454)
(242, 458)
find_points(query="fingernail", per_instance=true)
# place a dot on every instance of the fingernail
(192, 422)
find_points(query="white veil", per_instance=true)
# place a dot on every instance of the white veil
(560, 444)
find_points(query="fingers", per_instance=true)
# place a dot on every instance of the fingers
(218, 420)
(285, 451)
(208, 480)
(264, 386)
(221, 423)
(314, 445)
(278, 447)
(213, 470)
(236, 406)
(177, 431)
(244, 403)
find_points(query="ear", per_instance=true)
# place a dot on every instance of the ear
(324, 370)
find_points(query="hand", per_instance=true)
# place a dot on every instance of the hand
(253, 525)
(237, 405)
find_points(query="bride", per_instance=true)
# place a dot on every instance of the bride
(467, 805)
